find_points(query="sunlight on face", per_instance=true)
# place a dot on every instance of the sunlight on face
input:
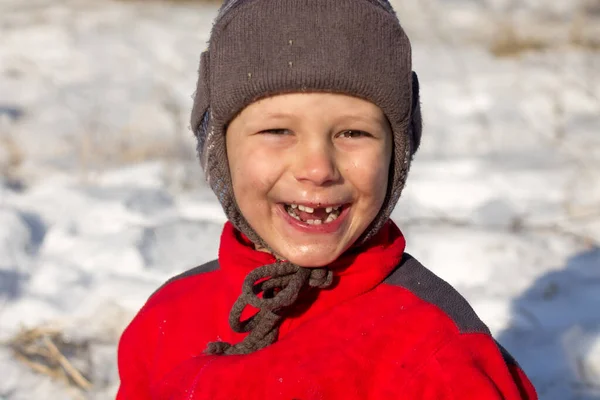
(309, 171)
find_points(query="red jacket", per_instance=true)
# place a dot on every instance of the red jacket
(387, 329)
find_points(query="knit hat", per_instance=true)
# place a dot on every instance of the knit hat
(260, 48)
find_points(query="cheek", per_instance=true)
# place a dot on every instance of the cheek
(379, 183)
(370, 176)
(252, 174)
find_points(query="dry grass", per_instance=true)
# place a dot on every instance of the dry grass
(93, 154)
(577, 35)
(129, 147)
(44, 349)
(508, 42)
(14, 155)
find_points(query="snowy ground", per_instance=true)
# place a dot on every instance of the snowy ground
(503, 200)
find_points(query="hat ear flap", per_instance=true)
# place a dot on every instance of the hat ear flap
(416, 123)
(200, 112)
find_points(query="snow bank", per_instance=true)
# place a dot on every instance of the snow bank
(101, 199)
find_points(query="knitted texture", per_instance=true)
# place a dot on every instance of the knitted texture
(260, 48)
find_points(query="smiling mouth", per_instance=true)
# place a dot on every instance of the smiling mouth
(314, 216)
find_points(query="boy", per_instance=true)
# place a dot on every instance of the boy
(307, 117)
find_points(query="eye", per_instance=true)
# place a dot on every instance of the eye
(277, 131)
(351, 134)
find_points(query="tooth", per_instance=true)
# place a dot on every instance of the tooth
(329, 209)
(309, 209)
(336, 207)
(301, 207)
(310, 222)
(297, 217)
(318, 222)
(294, 205)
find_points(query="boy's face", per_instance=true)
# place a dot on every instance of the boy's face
(296, 153)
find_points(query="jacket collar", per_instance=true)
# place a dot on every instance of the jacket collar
(357, 271)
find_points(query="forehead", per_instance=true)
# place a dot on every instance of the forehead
(313, 104)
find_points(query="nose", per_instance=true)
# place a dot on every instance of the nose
(316, 164)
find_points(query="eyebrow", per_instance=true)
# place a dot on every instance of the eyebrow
(279, 115)
(343, 117)
(268, 118)
(359, 118)
(284, 116)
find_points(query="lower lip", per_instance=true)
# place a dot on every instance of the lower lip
(329, 227)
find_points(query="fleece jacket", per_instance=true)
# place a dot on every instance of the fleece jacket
(388, 328)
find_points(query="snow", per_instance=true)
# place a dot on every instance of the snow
(101, 199)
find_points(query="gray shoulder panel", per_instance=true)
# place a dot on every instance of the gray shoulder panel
(417, 279)
(508, 358)
(207, 267)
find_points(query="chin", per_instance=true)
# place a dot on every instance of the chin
(313, 259)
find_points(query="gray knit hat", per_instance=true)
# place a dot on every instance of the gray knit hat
(260, 48)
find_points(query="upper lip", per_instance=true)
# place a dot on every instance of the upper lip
(316, 204)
